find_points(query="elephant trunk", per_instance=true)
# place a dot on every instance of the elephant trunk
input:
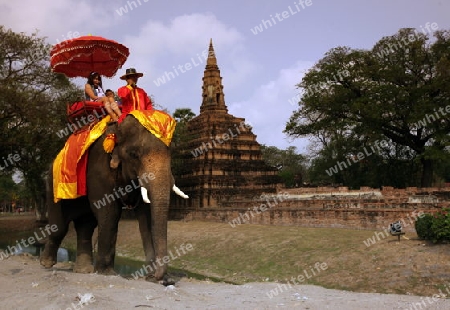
(159, 186)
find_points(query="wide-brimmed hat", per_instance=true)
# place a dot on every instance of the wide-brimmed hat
(131, 71)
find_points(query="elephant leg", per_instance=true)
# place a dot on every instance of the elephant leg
(108, 222)
(104, 203)
(48, 257)
(84, 227)
(145, 227)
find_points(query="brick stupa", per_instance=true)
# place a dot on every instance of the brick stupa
(222, 160)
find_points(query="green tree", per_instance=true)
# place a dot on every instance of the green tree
(383, 165)
(182, 116)
(398, 90)
(291, 166)
(8, 189)
(32, 108)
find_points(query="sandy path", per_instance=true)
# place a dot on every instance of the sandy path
(25, 285)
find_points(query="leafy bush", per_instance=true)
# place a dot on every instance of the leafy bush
(423, 227)
(434, 227)
(441, 226)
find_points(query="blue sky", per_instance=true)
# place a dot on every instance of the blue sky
(259, 70)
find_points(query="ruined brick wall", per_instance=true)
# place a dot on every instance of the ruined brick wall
(363, 209)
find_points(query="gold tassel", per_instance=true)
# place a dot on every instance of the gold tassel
(109, 143)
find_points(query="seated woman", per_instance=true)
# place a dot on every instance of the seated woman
(94, 92)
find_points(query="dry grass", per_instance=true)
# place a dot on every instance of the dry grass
(250, 253)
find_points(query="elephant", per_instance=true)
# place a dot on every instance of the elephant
(145, 161)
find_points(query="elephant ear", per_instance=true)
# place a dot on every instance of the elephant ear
(159, 123)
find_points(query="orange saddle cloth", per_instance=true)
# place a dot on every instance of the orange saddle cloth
(69, 167)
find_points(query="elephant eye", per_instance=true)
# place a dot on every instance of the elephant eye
(133, 154)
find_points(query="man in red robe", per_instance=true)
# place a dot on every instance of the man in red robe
(132, 96)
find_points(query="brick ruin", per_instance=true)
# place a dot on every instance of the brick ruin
(227, 180)
(221, 158)
(365, 208)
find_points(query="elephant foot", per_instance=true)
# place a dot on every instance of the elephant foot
(48, 257)
(83, 264)
(107, 272)
(47, 262)
(166, 280)
(151, 278)
(80, 268)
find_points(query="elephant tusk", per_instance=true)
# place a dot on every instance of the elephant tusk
(179, 192)
(144, 194)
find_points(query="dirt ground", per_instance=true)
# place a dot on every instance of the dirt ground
(25, 285)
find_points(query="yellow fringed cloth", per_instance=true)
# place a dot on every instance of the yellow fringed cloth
(159, 123)
(69, 167)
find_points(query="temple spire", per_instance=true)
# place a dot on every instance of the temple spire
(212, 89)
(211, 61)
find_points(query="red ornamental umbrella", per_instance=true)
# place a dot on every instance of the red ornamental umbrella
(80, 56)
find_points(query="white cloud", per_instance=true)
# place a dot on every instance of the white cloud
(184, 36)
(268, 108)
(54, 19)
(160, 47)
